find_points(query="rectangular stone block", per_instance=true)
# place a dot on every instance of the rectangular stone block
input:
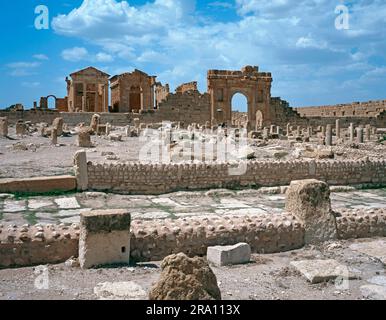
(104, 238)
(229, 255)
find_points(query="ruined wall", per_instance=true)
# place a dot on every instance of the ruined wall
(161, 93)
(355, 109)
(282, 114)
(189, 107)
(163, 178)
(154, 240)
(185, 87)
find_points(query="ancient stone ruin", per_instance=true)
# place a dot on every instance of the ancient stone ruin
(172, 195)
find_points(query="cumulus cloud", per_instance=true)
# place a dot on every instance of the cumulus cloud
(77, 54)
(295, 39)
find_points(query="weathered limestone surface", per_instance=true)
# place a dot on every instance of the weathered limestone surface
(374, 292)
(58, 125)
(317, 271)
(229, 255)
(104, 238)
(120, 291)
(185, 278)
(54, 136)
(139, 178)
(154, 240)
(373, 249)
(38, 185)
(80, 170)
(84, 139)
(3, 127)
(309, 201)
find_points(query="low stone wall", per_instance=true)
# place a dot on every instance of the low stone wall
(38, 185)
(137, 178)
(265, 233)
(362, 224)
(25, 246)
(153, 240)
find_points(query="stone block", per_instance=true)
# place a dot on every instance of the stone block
(229, 255)
(309, 201)
(84, 139)
(317, 271)
(104, 238)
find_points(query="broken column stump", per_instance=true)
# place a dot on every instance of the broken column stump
(104, 238)
(3, 127)
(309, 201)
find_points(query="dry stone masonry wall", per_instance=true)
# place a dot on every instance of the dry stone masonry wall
(136, 178)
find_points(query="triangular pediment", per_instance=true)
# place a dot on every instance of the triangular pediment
(90, 71)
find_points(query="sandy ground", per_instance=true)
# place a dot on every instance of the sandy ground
(267, 277)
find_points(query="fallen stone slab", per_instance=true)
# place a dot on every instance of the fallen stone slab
(317, 271)
(38, 185)
(375, 249)
(229, 255)
(120, 291)
(373, 292)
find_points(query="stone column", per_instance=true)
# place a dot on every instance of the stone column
(104, 238)
(80, 170)
(35, 105)
(272, 129)
(97, 109)
(265, 133)
(323, 131)
(84, 98)
(328, 139)
(368, 133)
(288, 129)
(309, 201)
(360, 135)
(351, 132)
(3, 127)
(337, 128)
(309, 131)
(54, 136)
(108, 128)
(278, 130)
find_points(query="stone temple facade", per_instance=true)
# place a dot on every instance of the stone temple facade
(132, 92)
(87, 91)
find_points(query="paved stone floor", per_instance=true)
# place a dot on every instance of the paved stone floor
(67, 208)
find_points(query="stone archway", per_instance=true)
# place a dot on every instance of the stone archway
(239, 108)
(255, 85)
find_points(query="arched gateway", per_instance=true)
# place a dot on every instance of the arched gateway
(254, 85)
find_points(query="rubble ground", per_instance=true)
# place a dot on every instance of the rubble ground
(34, 155)
(266, 277)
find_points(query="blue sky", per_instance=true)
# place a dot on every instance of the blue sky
(312, 62)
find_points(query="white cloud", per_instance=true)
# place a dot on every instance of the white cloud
(75, 54)
(23, 65)
(22, 68)
(40, 57)
(31, 84)
(104, 57)
(295, 39)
